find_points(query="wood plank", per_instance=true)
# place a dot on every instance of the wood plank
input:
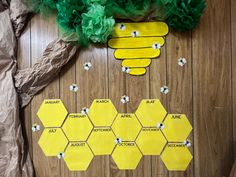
(157, 80)
(93, 84)
(179, 81)
(137, 89)
(212, 92)
(69, 98)
(23, 59)
(233, 59)
(117, 88)
(42, 33)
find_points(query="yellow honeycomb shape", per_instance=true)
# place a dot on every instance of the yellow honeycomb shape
(78, 156)
(52, 141)
(126, 156)
(77, 127)
(177, 127)
(52, 113)
(102, 141)
(151, 141)
(150, 112)
(102, 112)
(126, 127)
(176, 157)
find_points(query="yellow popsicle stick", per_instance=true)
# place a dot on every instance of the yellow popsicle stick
(137, 71)
(137, 53)
(136, 63)
(141, 29)
(137, 42)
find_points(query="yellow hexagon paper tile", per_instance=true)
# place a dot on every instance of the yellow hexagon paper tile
(176, 157)
(126, 156)
(151, 141)
(77, 127)
(124, 136)
(52, 141)
(78, 156)
(150, 112)
(52, 113)
(177, 127)
(102, 141)
(102, 112)
(126, 127)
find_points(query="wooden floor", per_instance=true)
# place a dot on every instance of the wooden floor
(204, 89)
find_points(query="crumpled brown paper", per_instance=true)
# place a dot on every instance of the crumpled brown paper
(31, 80)
(14, 160)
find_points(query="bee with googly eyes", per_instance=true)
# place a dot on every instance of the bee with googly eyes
(125, 69)
(61, 155)
(118, 140)
(160, 126)
(74, 88)
(187, 143)
(84, 110)
(124, 99)
(87, 66)
(35, 128)
(164, 90)
(182, 61)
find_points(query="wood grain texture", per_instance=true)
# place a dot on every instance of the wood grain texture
(204, 89)
(43, 32)
(157, 77)
(212, 92)
(179, 81)
(233, 59)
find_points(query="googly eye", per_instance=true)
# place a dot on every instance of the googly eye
(187, 143)
(135, 33)
(35, 127)
(125, 69)
(118, 140)
(164, 90)
(84, 110)
(156, 46)
(61, 155)
(122, 26)
(182, 61)
(160, 126)
(124, 99)
(87, 66)
(74, 88)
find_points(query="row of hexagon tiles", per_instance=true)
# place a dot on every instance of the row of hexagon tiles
(147, 107)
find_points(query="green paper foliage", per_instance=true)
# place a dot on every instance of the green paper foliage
(95, 25)
(69, 13)
(181, 15)
(128, 9)
(45, 7)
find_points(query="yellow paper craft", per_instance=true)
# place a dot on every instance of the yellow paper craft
(102, 141)
(52, 141)
(77, 127)
(136, 63)
(136, 42)
(142, 29)
(97, 110)
(124, 136)
(78, 156)
(137, 53)
(137, 71)
(127, 156)
(151, 141)
(177, 127)
(176, 157)
(124, 122)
